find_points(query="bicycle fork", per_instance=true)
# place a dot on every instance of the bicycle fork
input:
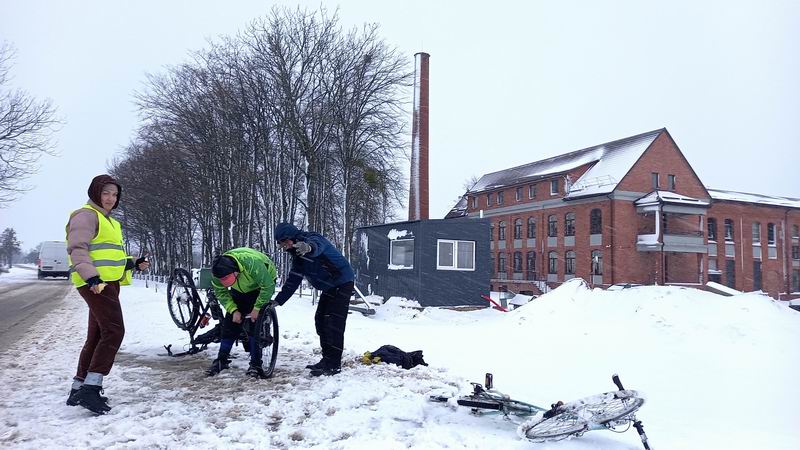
(636, 423)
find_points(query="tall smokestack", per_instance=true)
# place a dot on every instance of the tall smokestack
(418, 195)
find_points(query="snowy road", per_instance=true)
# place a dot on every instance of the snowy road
(24, 300)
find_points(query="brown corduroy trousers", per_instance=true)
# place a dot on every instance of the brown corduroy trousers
(105, 332)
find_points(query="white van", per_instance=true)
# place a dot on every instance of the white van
(53, 259)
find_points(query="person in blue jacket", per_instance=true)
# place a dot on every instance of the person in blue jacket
(316, 259)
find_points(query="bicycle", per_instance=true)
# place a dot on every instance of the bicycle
(191, 313)
(606, 411)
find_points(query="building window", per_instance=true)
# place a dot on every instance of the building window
(552, 260)
(531, 228)
(730, 273)
(795, 232)
(489, 199)
(569, 263)
(531, 265)
(517, 262)
(500, 197)
(712, 265)
(401, 254)
(569, 224)
(532, 191)
(474, 202)
(554, 187)
(756, 275)
(796, 252)
(491, 232)
(596, 222)
(770, 234)
(597, 262)
(501, 231)
(517, 228)
(552, 226)
(455, 255)
(671, 182)
(654, 178)
(795, 280)
(756, 233)
(519, 193)
(501, 262)
(712, 229)
(728, 230)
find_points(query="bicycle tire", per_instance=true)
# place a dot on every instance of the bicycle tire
(609, 406)
(558, 427)
(268, 335)
(182, 300)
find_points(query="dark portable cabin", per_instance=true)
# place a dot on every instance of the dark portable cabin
(438, 262)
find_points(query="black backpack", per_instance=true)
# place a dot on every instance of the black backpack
(393, 355)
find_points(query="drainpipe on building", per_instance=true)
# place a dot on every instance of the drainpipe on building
(786, 251)
(611, 266)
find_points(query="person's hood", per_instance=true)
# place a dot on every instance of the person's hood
(96, 189)
(286, 231)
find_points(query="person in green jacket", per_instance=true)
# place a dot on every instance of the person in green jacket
(243, 281)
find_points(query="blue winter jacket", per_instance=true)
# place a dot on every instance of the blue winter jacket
(324, 266)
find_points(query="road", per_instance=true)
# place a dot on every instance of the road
(25, 301)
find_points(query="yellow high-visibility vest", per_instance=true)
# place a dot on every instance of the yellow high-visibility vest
(107, 252)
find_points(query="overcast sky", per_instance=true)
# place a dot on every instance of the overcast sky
(510, 84)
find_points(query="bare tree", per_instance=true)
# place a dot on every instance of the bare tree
(26, 128)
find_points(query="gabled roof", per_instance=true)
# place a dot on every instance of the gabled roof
(612, 161)
(717, 194)
(460, 210)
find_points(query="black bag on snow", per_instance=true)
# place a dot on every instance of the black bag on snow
(393, 355)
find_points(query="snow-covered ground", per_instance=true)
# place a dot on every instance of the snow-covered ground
(718, 372)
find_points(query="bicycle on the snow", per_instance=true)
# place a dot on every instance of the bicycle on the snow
(613, 411)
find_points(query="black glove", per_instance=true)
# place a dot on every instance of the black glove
(94, 281)
(140, 261)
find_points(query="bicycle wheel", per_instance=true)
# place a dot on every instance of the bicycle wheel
(561, 426)
(182, 301)
(609, 406)
(268, 336)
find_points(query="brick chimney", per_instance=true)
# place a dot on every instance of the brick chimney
(418, 194)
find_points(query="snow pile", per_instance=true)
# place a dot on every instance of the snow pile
(719, 372)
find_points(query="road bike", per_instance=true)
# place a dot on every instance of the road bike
(612, 411)
(191, 311)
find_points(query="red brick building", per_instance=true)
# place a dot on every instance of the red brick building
(632, 211)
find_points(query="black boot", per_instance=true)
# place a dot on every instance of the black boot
(317, 366)
(219, 364)
(255, 371)
(328, 368)
(89, 397)
(72, 400)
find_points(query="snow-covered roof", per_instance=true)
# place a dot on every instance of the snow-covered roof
(659, 197)
(613, 160)
(459, 210)
(734, 196)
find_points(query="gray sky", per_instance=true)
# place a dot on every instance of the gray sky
(510, 84)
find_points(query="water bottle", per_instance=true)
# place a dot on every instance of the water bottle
(204, 320)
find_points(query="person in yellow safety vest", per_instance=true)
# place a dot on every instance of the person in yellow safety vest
(98, 266)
